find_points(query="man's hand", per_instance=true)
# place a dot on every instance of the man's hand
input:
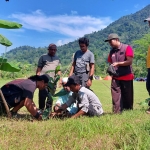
(89, 83)
(80, 113)
(115, 64)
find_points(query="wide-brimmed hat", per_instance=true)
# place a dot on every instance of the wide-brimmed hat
(112, 36)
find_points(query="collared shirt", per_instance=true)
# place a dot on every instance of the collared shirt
(48, 63)
(86, 100)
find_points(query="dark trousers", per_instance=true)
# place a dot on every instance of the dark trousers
(83, 78)
(43, 95)
(148, 81)
(2, 107)
(42, 98)
(122, 95)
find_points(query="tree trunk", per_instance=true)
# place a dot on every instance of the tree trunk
(5, 104)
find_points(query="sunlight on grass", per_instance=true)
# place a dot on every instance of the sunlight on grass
(130, 130)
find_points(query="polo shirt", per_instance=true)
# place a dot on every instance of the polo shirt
(48, 63)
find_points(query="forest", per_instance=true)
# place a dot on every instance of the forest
(131, 29)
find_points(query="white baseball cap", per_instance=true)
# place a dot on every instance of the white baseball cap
(64, 80)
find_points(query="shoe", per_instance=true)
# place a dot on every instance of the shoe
(148, 111)
(14, 114)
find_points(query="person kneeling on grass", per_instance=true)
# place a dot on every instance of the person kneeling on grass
(88, 103)
(63, 99)
(19, 93)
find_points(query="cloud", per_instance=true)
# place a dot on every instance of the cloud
(64, 41)
(136, 6)
(73, 25)
(74, 12)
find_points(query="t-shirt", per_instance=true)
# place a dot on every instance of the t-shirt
(85, 98)
(25, 87)
(129, 52)
(82, 59)
(47, 62)
(63, 99)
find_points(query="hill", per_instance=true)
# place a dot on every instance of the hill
(129, 28)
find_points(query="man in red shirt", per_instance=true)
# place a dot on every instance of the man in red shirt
(121, 57)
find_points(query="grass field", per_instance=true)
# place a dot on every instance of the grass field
(128, 131)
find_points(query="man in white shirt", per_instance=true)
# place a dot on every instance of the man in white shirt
(87, 102)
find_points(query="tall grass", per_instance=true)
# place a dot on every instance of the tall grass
(128, 131)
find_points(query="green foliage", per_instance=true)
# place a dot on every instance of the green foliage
(130, 28)
(108, 132)
(9, 25)
(4, 41)
(5, 66)
(141, 46)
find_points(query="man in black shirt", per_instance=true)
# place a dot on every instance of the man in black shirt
(20, 92)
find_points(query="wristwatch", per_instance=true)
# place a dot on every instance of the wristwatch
(91, 77)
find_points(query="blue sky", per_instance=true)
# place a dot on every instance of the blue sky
(61, 21)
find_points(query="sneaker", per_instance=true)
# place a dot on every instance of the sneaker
(14, 114)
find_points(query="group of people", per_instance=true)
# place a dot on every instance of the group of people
(78, 99)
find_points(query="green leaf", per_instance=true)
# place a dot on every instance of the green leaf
(60, 93)
(4, 41)
(5, 66)
(9, 25)
(8, 67)
(58, 68)
(45, 114)
(3, 60)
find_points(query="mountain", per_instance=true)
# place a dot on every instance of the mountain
(129, 28)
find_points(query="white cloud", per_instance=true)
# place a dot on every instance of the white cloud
(74, 12)
(136, 6)
(64, 41)
(73, 26)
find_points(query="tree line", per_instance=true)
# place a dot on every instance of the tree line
(131, 30)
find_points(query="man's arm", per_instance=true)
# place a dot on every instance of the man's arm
(91, 73)
(92, 66)
(61, 108)
(71, 100)
(72, 69)
(124, 63)
(30, 105)
(38, 70)
(79, 113)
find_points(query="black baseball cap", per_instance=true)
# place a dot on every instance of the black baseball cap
(45, 78)
(73, 80)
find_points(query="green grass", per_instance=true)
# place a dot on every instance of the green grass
(128, 131)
